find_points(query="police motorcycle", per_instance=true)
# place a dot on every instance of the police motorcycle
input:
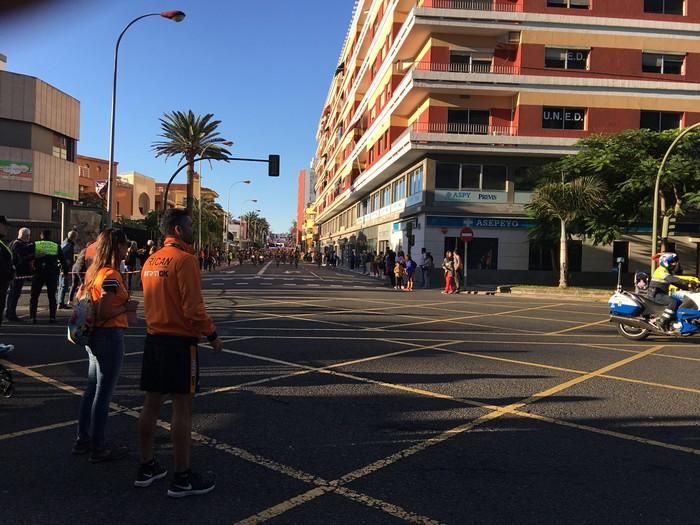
(636, 316)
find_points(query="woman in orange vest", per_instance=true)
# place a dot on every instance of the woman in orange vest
(105, 350)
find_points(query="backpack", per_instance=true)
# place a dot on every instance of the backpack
(82, 320)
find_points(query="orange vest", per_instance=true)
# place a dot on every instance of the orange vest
(112, 279)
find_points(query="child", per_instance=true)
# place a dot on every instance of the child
(398, 275)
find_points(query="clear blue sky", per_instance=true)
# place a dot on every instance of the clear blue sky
(262, 67)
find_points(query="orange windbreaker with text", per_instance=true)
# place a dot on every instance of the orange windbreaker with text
(172, 293)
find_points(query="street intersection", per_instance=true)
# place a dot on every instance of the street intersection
(338, 400)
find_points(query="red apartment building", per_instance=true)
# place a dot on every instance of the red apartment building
(439, 110)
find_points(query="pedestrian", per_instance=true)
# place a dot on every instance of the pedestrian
(457, 260)
(7, 267)
(105, 347)
(48, 264)
(449, 267)
(410, 273)
(175, 320)
(399, 272)
(421, 265)
(130, 264)
(23, 253)
(66, 280)
(428, 266)
(78, 270)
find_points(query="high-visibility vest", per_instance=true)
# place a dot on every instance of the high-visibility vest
(42, 248)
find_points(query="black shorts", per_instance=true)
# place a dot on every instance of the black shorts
(170, 365)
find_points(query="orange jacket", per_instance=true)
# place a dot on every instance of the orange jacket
(110, 280)
(172, 293)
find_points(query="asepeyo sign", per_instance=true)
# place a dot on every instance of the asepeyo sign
(498, 197)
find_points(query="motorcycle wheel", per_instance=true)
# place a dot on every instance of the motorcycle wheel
(632, 332)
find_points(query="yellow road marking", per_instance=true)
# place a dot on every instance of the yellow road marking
(567, 330)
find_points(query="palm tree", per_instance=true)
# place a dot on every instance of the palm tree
(566, 202)
(189, 136)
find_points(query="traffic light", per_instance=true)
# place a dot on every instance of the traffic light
(273, 166)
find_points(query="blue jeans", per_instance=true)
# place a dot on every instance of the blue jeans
(106, 353)
(64, 285)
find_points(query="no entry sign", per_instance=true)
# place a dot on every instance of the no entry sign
(466, 234)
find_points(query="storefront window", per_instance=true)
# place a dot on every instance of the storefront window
(447, 176)
(415, 181)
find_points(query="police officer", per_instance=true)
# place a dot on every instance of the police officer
(49, 262)
(661, 279)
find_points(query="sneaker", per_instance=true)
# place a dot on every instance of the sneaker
(108, 454)
(80, 448)
(148, 473)
(64, 306)
(189, 484)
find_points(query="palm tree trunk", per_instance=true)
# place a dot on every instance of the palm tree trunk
(563, 257)
(190, 185)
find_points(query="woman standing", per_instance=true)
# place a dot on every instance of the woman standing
(105, 349)
(449, 267)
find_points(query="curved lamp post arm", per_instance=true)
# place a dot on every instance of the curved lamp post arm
(176, 16)
(655, 218)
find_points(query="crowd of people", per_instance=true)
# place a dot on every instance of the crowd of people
(175, 317)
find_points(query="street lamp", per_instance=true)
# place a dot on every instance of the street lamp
(655, 218)
(227, 212)
(175, 16)
(199, 228)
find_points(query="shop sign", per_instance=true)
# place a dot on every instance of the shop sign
(502, 223)
(15, 170)
(563, 115)
(398, 206)
(497, 197)
(384, 210)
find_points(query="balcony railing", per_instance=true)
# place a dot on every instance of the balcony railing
(474, 5)
(448, 67)
(461, 128)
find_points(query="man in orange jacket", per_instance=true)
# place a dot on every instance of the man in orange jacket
(175, 320)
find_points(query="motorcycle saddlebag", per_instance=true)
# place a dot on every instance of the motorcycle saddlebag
(625, 303)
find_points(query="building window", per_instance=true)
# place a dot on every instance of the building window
(469, 121)
(563, 118)
(660, 120)
(470, 177)
(447, 176)
(60, 147)
(662, 63)
(524, 179)
(467, 62)
(415, 182)
(573, 4)
(559, 58)
(375, 201)
(386, 196)
(666, 7)
(399, 189)
(365, 207)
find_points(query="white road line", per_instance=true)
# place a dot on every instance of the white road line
(262, 270)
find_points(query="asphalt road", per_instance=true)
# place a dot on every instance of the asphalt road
(338, 400)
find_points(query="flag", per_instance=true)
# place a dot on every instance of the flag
(101, 189)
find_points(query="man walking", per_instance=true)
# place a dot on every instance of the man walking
(457, 261)
(64, 285)
(49, 262)
(23, 254)
(7, 269)
(175, 320)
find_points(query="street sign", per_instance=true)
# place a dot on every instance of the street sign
(466, 234)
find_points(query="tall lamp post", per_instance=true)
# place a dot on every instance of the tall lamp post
(199, 229)
(175, 16)
(227, 212)
(655, 218)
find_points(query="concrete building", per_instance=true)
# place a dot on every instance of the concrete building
(143, 193)
(39, 130)
(306, 195)
(439, 109)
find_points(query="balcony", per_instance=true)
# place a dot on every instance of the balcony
(506, 6)
(461, 128)
(474, 68)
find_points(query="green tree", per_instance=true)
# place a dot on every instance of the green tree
(628, 163)
(566, 201)
(190, 136)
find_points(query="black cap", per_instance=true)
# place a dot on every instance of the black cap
(3, 220)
